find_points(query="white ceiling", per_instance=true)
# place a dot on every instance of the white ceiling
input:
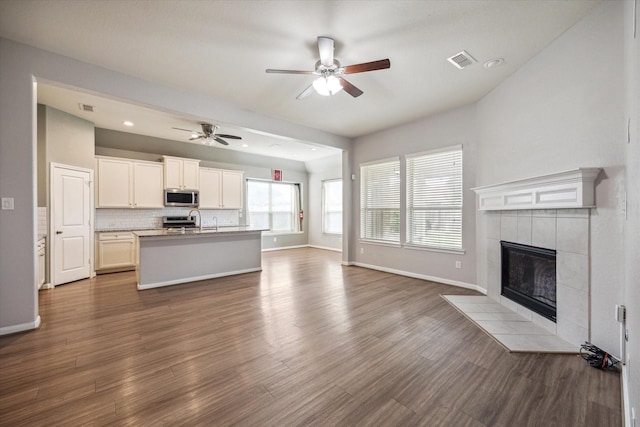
(222, 48)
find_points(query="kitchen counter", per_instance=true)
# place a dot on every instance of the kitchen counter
(172, 256)
(195, 232)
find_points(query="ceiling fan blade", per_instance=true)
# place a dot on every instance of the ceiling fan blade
(221, 141)
(367, 66)
(186, 130)
(222, 135)
(271, 70)
(349, 88)
(305, 92)
(326, 46)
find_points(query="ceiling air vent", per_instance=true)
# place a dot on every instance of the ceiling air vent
(462, 60)
(86, 107)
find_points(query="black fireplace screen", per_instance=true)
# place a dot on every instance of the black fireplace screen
(529, 277)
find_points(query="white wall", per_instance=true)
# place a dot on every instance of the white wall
(563, 110)
(20, 67)
(443, 130)
(319, 171)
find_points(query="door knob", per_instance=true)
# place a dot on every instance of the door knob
(58, 232)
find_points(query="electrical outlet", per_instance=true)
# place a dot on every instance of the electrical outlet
(458, 264)
(275, 239)
(7, 203)
(361, 251)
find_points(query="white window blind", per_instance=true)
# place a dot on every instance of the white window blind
(380, 201)
(434, 199)
(332, 206)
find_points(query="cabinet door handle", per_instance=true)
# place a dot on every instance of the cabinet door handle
(58, 232)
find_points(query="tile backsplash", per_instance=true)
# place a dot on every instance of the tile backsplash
(42, 221)
(126, 219)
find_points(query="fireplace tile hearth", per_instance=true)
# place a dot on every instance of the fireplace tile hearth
(513, 331)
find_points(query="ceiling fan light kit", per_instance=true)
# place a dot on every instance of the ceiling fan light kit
(326, 86)
(330, 80)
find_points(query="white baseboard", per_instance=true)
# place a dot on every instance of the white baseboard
(20, 328)
(626, 405)
(326, 248)
(196, 278)
(46, 286)
(422, 276)
(284, 247)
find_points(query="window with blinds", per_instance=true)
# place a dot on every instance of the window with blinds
(332, 206)
(434, 199)
(380, 201)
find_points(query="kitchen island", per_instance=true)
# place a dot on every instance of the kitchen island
(172, 256)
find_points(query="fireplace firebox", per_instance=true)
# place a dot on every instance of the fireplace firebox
(529, 277)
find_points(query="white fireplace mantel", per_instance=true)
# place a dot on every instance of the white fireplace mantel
(564, 190)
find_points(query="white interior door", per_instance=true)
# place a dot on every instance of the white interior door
(71, 205)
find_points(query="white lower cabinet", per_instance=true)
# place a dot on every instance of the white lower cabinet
(115, 251)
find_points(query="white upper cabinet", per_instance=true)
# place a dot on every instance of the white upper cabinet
(115, 177)
(220, 189)
(210, 188)
(147, 185)
(181, 173)
(124, 183)
(232, 186)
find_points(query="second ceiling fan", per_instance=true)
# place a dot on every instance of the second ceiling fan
(330, 72)
(208, 135)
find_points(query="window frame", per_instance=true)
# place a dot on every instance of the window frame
(294, 213)
(456, 207)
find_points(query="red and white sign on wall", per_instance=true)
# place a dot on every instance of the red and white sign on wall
(276, 174)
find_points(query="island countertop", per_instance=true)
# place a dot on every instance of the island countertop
(196, 232)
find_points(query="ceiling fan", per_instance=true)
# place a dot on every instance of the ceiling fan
(330, 72)
(208, 134)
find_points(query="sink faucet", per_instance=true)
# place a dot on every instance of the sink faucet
(199, 216)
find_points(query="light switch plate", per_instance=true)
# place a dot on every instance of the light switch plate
(7, 203)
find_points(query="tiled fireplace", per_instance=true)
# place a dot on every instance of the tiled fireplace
(551, 212)
(567, 232)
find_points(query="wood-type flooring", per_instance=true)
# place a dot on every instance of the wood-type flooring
(305, 342)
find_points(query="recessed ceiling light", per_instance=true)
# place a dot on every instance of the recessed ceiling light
(127, 123)
(496, 62)
(313, 149)
(274, 145)
(245, 145)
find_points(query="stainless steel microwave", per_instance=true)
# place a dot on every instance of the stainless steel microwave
(178, 197)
